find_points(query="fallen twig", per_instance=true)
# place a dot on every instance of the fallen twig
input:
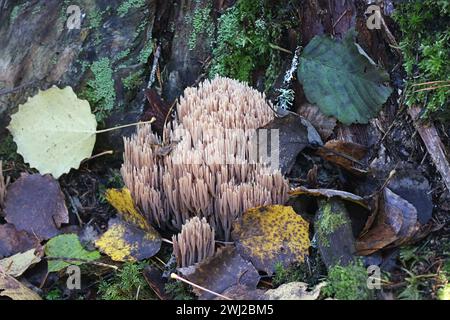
(434, 145)
(176, 277)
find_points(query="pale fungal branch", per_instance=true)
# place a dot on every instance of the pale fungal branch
(194, 243)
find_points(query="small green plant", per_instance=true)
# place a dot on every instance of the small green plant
(178, 290)
(412, 291)
(426, 47)
(100, 91)
(127, 284)
(348, 282)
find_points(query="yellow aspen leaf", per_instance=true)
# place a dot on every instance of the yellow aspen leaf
(122, 201)
(124, 241)
(54, 131)
(270, 234)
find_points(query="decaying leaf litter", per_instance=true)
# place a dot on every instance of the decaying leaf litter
(333, 200)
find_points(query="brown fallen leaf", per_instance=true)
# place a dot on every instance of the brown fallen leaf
(36, 204)
(13, 241)
(220, 272)
(395, 224)
(329, 193)
(271, 234)
(12, 288)
(158, 109)
(323, 123)
(295, 134)
(346, 155)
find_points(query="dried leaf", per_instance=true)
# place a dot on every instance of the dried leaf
(10, 287)
(271, 234)
(36, 204)
(17, 264)
(126, 242)
(54, 131)
(395, 224)
(220, 272)
(329, 193)
(295, 134)
(323, 124)
(341, 81)
(13, 241)
(67, 246)
(342, 153)
(294, 291)
(158, 109)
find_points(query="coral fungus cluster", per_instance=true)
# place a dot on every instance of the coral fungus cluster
(212, 171)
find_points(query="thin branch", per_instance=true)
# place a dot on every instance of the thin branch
(176, 277)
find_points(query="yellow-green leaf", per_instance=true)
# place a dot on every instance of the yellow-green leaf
(67, 246)
(271, 234)
(54, 131)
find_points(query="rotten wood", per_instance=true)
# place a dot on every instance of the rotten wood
(433, 143)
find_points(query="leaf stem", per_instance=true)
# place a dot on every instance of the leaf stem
(126, 126)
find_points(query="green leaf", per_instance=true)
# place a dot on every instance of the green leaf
(342, 80)
(67, 246)
(54, 131)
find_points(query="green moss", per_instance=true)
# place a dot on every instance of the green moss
(100, 91)
(348, 283)
(245, 40)
(178, 290)
(127, 284)
(145, 52)
(133, 81)
(329, 220)
(201, 24)
(285, 275)
(54, 294)
(16, 11)
(95, 19)
(127, 5)
(426, 47)
(8, 149)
